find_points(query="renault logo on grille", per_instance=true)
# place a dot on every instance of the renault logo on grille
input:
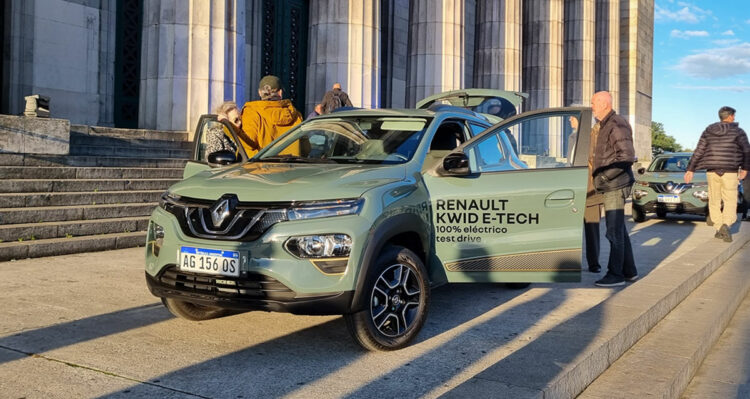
(220, 212)
(670, 186)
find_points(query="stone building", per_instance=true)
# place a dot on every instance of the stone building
(160, 64)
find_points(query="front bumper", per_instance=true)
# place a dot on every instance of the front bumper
(683, 207)
(252, 291)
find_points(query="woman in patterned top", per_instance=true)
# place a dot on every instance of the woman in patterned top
(219, 138)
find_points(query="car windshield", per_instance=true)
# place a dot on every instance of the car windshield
(366, 140)
(677, 163)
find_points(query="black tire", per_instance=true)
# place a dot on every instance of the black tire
(661, 214)
(638, 214)
(192, 311)
(517, 286)
(397, 296)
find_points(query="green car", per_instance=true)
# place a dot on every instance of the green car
(363, 212)
(661, 189)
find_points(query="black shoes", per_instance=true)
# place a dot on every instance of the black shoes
(610, 281)
(723, 233)
(595, 269)
(631, 278)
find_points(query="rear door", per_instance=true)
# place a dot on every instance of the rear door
(515, 217)
(209, 125)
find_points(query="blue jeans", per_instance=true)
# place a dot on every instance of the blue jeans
(621, 262)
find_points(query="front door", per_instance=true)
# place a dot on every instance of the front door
(516, 217)
(284, 51)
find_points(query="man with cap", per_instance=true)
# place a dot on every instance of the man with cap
(268, 118)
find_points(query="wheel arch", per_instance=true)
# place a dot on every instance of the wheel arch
(401, 230)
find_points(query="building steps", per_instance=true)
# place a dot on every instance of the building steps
(98, 197)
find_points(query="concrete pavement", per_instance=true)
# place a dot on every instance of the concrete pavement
(85, 326)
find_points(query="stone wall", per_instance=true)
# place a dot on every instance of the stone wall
(24, 135)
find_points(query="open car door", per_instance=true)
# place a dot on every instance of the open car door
(206, 154)
(502, 216)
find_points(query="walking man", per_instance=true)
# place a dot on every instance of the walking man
(722, 150)
(613, 177)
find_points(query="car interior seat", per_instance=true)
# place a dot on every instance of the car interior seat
(447, 137)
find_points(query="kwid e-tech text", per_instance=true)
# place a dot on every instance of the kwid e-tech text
(363, 212)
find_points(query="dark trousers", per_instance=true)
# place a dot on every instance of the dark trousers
(591, 233)
(621, 262)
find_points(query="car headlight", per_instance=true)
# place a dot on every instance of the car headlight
(701, 195)
(638, 194)
(168, 201)
(326, 209)
(328, 252)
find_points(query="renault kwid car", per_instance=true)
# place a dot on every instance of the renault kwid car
(362, 212)
(660, 189)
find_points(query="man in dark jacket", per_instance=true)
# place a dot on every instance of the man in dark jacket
(335, 98)
(722, 150)
(613, 177)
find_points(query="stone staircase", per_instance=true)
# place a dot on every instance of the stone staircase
(97, 198)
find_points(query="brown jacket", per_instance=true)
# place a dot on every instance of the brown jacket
(594, 200)
(264, 121)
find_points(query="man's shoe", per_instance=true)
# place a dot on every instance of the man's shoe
(610, 281)
(725, 234)
(631, 278)
(595, 269)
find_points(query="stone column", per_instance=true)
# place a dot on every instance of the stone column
(192, 60)
(543, 70)
(394, 41)
(579, 51)
(498, 55)
(344, 47)
(543, 53)
(636, 70)
(437, 46)
(608, 49)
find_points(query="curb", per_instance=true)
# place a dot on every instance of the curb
(666, 359)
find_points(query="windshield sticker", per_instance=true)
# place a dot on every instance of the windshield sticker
(459, 220)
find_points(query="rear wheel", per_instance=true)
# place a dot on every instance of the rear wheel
(192, 311)
(397, 295)
(638, 214)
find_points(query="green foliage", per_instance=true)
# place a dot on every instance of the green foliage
(661, 141)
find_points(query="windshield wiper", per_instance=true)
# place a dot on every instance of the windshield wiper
(294, 159)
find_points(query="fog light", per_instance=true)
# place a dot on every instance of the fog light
(638, 194)
(701, 195)
(320, 246)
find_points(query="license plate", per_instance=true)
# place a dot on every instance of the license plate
(210, 261)
(669, 199)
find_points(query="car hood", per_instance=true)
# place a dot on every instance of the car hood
(675, 177)
(270, 182)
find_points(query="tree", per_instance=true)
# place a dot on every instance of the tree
(661, 141)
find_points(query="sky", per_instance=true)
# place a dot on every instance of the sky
(701, 63)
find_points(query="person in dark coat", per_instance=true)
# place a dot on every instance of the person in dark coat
(335, 98)
(612, 175)
(724, 152)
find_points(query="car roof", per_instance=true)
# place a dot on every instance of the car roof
(403, 112)
(674, 154)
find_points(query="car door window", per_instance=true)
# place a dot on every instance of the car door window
(476, 129)
(487, 155)
(215, 136)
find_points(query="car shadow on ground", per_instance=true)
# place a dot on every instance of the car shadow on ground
(45, 339)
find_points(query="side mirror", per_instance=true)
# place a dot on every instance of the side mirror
(454, 164)
(223, 157)
(641, 171)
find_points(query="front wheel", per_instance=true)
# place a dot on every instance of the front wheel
(638, 214)
(192, 311)
(397, 295)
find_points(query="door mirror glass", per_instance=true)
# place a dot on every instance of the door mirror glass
(455, 164)
(222, 157)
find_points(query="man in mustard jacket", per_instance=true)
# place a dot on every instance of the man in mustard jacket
(270, 117)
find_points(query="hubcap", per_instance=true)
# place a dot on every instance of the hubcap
(394, 303)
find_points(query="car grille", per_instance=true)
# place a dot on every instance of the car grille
(670, 187)
(251, 287)
(244, 221)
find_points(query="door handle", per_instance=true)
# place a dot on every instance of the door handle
(560, 198)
